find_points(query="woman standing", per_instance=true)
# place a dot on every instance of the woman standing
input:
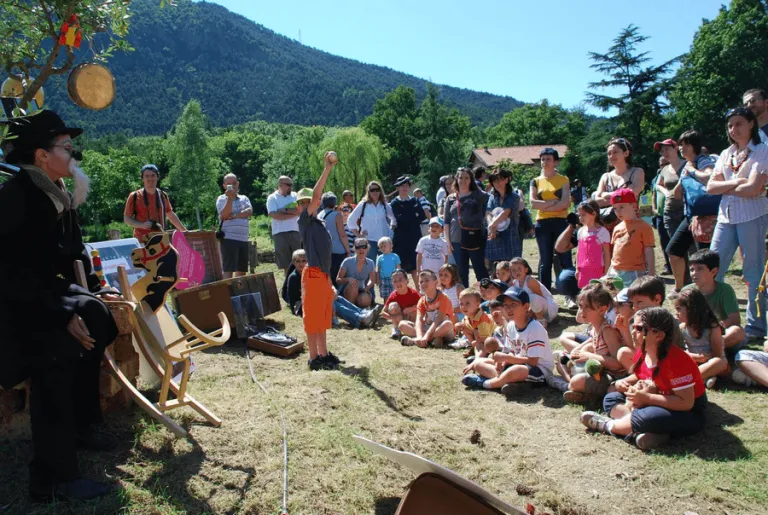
(465, 225)
(504, 213)
(371, 218)
(668, 179)
(623, 175)
(408, 214)
(334, 221)
(551, 195)
(740, 177)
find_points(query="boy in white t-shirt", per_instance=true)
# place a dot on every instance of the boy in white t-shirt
(432, 250)
(530, 358)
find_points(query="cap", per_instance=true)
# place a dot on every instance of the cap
(515, 293)
(610, 281)
(623, 295)
(501, 285)
(623, 196)
(436, 220)
(304, 194)
(403, 179)
(33, 131)
(657, 146)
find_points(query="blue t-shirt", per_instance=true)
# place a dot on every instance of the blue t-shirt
(387, 264)
(350, 265)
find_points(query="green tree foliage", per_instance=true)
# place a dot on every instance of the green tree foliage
(537, 124)
(729, 56)
(587, 158)
(442, 140)
(394, 121)
(241, 72)
(243, 153)
(641, 104)
(113, 176)
(361, 156)
(192, 178)
(292, 155)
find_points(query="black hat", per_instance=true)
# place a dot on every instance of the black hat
(501, 285)
(403, 179)
(33, 131)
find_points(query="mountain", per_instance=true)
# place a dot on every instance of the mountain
(240, 71)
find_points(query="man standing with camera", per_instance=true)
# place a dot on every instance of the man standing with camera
(146, 209)
(234, 211)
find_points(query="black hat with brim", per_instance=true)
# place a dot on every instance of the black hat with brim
(403, 179)
(33, 131)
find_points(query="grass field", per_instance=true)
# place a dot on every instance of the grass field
(532, 448)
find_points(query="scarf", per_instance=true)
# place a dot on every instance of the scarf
(55, 190)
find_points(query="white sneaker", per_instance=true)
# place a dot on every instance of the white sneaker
(460, 343)
(711, 382)
(738, 376)
(570, 303)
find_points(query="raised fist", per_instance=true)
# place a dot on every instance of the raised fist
(331, 157)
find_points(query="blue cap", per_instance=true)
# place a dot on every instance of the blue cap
(436, 220)
(515, 293)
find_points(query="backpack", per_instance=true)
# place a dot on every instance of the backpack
(696, 199)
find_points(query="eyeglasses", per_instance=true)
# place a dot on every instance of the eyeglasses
(737, 111)
(374, 190)
(640, 328)
(75, 154)
(358, 247)
(299, 260)
(289, 184)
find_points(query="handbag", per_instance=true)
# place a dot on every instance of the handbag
(220, 233)
(472, 238)
(696, 198)
(703, 227)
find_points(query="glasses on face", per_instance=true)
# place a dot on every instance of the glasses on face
(358, 247)
(640, 328)
(290, 185)
(299, 260)
(346, 210)
(76, 154)
(374, 190)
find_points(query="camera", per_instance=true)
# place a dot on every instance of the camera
(573, 219)
(155, 225)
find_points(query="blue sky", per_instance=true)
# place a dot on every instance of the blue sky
(529, 50)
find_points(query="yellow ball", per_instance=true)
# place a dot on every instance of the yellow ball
(15, 88)
(94, 253)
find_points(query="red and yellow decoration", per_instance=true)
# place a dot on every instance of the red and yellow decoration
(97, 268)
(71, 35)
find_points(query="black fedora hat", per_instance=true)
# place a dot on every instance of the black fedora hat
(33, 131)
(403, 179)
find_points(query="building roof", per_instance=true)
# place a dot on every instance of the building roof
(527, 155)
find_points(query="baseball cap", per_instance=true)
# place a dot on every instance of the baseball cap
(623, 295)
(515, 293)
(486, 282)
(436, 220)
(669, 141)
(623, 196)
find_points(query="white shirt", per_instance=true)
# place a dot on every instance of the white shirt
(433, 252)
(531, 342)
(373, 222)
(737, 210)
(236, 229)
(276, 202)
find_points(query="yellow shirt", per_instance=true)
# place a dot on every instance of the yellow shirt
(550, 188)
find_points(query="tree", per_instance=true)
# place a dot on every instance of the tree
(728, 57)
(361, 156)
(30, 43)
(193, 179)
(292, 155)
(641, 106)
(243, 153)
(394, 121)
(442, 140)
(113, 176)
(537, 124)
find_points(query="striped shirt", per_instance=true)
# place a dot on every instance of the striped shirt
(738, 210)
(532, 341)
(236, 229)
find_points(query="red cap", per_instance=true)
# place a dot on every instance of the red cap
(668, 141)
(623, 196)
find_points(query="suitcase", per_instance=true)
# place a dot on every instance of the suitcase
(273, 342)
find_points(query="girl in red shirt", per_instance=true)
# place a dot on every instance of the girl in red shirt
(664, 395)
(401, 303)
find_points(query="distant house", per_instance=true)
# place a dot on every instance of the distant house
(527, 155)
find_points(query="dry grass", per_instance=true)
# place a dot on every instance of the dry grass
(532, 448)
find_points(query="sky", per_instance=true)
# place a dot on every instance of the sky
(529, 50)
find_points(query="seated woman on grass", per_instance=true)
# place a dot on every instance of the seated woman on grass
(663, 396)
(434, 316)
(603, 345)
(702, 334)
(357, 275)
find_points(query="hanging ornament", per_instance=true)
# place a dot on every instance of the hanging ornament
(97, 268)
(71, 35)
(14, 88)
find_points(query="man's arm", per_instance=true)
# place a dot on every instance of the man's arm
(563, 243)
(279, 214)
(650, 260)
(317, 191)
(175, 221)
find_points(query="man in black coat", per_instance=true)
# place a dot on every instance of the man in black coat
(52, 331)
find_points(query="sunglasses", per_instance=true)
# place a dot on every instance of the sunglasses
(374, 190)
(346, 210)
(300, 261)
(289, 184)
(357, 247)
(737, 111)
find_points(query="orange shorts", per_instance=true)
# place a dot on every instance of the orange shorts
(316, 300)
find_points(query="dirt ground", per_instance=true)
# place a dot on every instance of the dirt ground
(532, 448)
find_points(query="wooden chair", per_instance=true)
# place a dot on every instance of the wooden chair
(158, 336)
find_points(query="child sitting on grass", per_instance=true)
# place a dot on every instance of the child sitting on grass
(542, 303)
(704, 266)
(633, 239)
(702, 334)
(603, 346)
(434, 316)
(449, 284)
(386, 264)
(752, 367)
(401, 303)
(504, 273)
(476, 326)
(664, 394)
(529, 358)
(490, 289)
